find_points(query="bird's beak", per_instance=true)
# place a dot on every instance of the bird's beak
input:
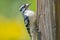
(27, 5)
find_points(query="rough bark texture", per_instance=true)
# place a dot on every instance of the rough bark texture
(46, 19)
(57, 10)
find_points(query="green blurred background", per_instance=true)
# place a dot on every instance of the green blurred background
(11, 21)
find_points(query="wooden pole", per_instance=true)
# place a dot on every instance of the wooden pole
(46, 19)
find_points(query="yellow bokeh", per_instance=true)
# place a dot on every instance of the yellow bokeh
(12, 29)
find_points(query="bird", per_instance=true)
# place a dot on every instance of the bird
(29, 18)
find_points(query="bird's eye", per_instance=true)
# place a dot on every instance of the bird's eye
(22, 7)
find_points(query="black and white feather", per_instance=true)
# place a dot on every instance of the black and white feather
(29, 17)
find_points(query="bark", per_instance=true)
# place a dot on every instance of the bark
(46, 19)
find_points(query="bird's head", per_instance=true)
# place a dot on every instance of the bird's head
(24, 7)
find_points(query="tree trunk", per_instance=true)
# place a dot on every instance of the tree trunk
(46, 19)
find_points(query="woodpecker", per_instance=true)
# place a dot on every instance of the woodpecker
(29, 18)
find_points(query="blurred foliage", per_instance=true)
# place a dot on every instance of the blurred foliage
(11, 7)
(11, 21)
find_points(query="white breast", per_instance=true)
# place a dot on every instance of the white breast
(29, 13)
(31, 16)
